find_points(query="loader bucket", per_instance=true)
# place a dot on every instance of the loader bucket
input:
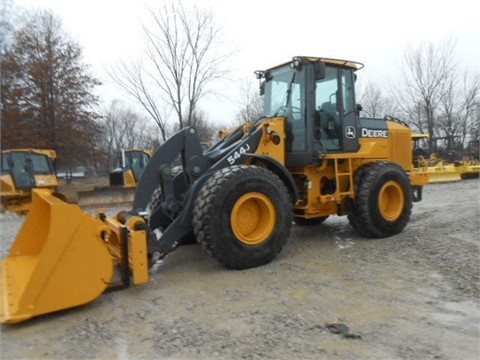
(57, 261)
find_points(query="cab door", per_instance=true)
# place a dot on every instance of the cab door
(335, 114)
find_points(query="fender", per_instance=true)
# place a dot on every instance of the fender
(278, 169)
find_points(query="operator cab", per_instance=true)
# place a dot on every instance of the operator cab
(317, 97)
(23, 166)
(135, 160)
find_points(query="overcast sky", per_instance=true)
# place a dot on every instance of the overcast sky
(267, 33)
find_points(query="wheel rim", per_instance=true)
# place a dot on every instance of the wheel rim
(253, 218)
(391, 200)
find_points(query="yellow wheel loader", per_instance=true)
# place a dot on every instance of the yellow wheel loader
(309, 157)
(23, 170)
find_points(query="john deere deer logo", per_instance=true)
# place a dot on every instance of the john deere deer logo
(350, 132)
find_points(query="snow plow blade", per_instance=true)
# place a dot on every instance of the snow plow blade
(100, 196)
(444, 173)
(64, 258)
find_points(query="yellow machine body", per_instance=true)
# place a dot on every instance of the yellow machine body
(339, 168)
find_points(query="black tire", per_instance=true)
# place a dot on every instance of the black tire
(157, 219)
(353, 213)
(242, 216)
(308, 222)
(383, 200)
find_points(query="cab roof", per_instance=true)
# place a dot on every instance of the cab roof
(338, 62)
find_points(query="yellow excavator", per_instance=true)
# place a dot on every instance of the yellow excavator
(309, 157)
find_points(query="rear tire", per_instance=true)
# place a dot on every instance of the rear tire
(242, 216)
(383, 200)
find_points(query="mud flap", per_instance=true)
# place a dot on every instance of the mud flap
(57, 261)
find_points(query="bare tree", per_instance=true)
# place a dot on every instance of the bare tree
(458, 119)
(182, 62)
(207, 131)
(374, 103)
(426, 74)
(133, 80)
(438, 97)
(251, 102)
(123, 128)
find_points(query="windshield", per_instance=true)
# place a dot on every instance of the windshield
(136, 160)
(41, 164)
(23, 161)
(283, 91)
(285, 96)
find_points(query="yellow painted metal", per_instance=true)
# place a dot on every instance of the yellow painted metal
(129, 180)
(440, 171)
(399, 137)
(348, 63)
(443, 173)
(391, 200)
(57, 248)
(19, 205)
(470, 170)
(272, 143)
(253, 218)
(137, 246)
(419, 177)
(138, 257)
(50, 153)
(64, 258)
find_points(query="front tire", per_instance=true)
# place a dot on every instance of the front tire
(383, 200)
(242, 216)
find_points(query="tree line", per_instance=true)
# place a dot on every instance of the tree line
(48, 95)
(433, 93)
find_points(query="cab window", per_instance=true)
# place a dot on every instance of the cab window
(327, 97)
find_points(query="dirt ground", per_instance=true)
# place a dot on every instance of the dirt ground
(412, 296)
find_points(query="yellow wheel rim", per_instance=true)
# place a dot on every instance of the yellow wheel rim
(253, 218)
(391, 200)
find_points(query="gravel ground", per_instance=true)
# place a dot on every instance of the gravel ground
(412, 296)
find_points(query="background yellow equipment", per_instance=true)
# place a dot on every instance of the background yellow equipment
(132, 163)
(24, 170)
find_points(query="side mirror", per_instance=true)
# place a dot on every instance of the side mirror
(358, 108)
(262, 87)
(319, 69)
